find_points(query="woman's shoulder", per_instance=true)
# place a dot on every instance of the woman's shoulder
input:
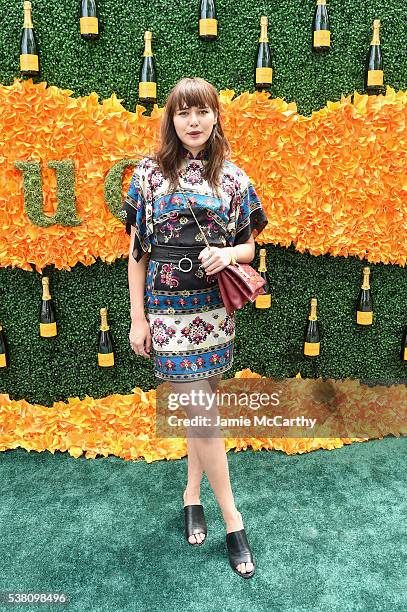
(147, 162)
(145, 167)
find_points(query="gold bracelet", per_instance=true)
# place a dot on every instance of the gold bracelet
(233, 260)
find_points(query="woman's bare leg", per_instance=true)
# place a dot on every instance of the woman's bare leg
(195, 471)
(193, 489)
(211, 454)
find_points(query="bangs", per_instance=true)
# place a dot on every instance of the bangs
(192, 94)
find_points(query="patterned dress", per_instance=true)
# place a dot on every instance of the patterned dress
(192, 335)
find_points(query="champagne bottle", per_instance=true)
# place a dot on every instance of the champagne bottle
(48, 326)
(208, 24)
(364, 305)
(264, 300)
(404, 346)
(4, 353)
(374, 67)
(89, 20)
(29, 52)
(312, 340)
(147, 89)
(105, 348)
(264, 71)
(320, 27)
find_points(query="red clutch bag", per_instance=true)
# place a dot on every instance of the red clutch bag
(238, 282)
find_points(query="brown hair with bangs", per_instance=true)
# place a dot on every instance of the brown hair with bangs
(188, 92)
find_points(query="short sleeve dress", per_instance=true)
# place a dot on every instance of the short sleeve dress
(192, 335)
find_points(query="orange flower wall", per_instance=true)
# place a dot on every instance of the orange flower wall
(335, 182)
(124, 425)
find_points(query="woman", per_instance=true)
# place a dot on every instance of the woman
(186, 322)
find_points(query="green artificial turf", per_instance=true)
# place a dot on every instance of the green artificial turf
(327, 529)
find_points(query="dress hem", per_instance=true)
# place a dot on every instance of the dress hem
(194, 376)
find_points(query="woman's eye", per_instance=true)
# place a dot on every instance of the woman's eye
(182, 113)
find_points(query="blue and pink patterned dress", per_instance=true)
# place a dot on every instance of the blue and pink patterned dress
(192, 335)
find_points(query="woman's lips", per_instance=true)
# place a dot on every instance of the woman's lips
(194, 135)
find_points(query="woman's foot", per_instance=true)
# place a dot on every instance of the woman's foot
(189, 500)
(234, 522)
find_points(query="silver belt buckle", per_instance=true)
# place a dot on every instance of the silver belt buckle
(182, 269)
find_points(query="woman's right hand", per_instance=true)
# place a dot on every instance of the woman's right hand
(140, 337)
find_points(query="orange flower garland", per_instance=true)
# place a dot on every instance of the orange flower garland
(124, 425)
(335, 182)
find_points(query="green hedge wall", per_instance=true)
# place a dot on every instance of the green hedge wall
(268, 342)
(112, 62)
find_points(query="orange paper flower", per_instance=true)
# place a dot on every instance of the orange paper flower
(124, 426)
(334, 182)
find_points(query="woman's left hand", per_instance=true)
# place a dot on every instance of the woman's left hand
(215, 259)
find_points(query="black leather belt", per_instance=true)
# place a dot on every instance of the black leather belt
(183, 256)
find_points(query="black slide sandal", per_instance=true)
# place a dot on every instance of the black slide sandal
(239, 551)
(194, 522)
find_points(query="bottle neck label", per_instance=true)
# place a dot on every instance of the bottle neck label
(366, 283)
(27, 19)
(263, 33)
(375, 37)
(147, 49)
(262, 265)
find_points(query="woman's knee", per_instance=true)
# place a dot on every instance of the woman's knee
(199, 406)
